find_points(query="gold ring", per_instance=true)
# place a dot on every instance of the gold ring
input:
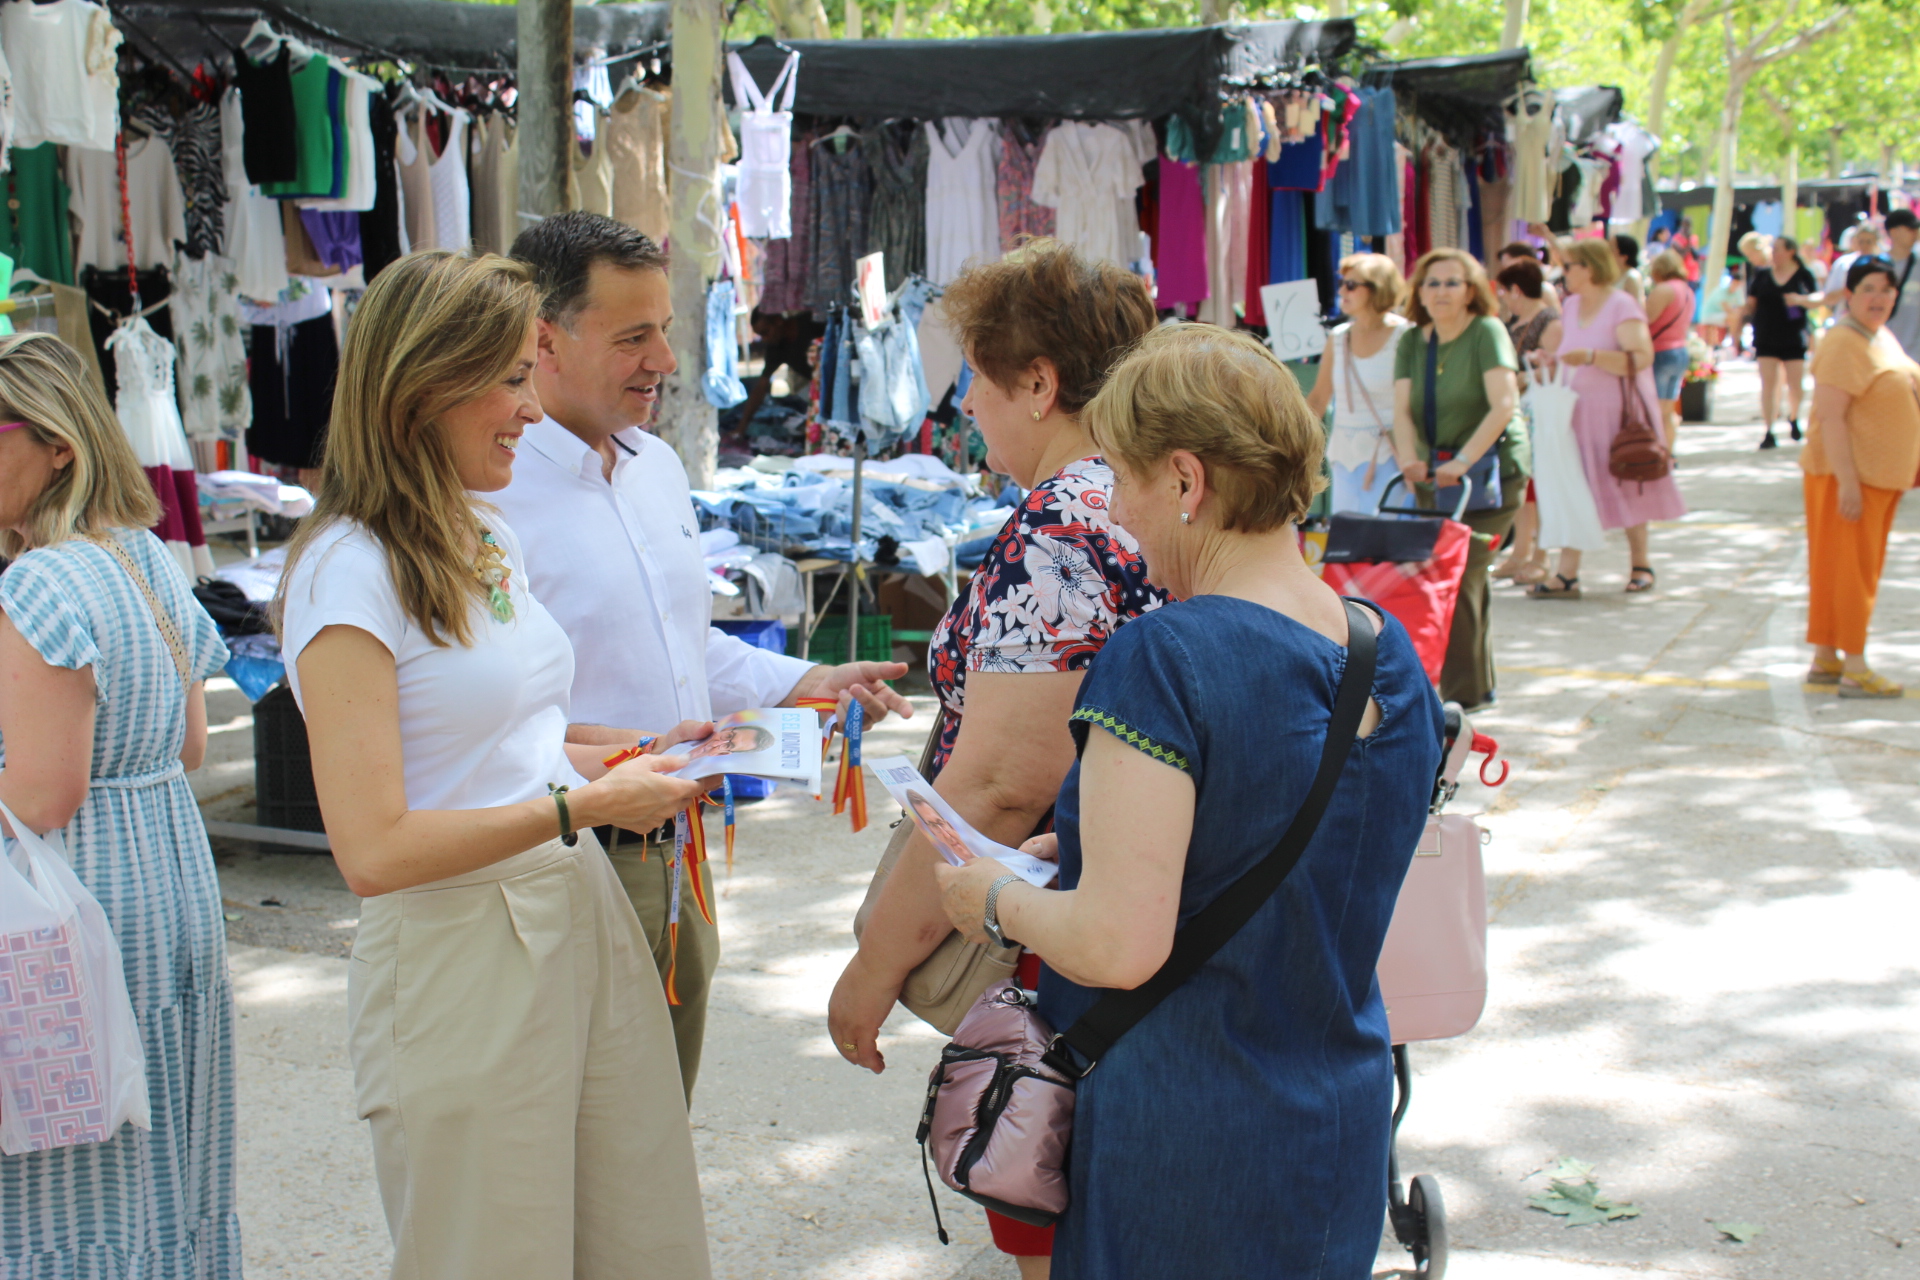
(851, 1047)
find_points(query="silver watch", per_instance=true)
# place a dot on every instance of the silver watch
(992, 922)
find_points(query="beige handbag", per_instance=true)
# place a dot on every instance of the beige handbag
(946, 984)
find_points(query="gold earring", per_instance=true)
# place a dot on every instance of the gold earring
(1036, 415)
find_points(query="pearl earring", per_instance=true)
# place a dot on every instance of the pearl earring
(1186, 517)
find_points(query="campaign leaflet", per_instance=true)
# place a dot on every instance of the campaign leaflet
(782, 743)
(957, 842)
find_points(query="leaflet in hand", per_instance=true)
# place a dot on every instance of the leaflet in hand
(957, 842)
(771, 742)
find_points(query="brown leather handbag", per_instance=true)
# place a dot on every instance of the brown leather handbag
(1638, 452)
(946, 984)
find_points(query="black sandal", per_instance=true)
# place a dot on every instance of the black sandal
(1768, 442)
(1634, 583)
(1569, 589)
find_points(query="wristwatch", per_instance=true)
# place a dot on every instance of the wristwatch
(992, 922)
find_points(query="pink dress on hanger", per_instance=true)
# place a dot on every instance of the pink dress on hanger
(1596, 417)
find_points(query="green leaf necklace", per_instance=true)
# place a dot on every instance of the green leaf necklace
(491, 565)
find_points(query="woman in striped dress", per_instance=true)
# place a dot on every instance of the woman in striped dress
(102, 712)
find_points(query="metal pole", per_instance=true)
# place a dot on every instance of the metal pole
(545, 108)
(859, 569)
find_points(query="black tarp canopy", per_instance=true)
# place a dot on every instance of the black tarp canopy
(1457, 96)
(434, 33)
(1815, 193)
(1095, 75)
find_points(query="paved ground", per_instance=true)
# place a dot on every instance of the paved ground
(1704, 982)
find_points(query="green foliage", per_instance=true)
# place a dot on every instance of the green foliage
(1738, 1232)
(1574, 1194)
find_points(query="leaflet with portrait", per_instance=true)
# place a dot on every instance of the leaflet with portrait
(782, 743)
(957, 842)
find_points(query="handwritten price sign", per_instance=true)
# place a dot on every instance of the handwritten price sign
(1293, 319)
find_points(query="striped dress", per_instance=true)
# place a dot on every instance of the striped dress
(148, 1205)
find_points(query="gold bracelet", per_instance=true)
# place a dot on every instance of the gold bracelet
(559, 794)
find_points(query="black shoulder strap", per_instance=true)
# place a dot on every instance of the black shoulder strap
(1115, 1013)
(1430, 405)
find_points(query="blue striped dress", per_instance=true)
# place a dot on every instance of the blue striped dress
(148, 1205)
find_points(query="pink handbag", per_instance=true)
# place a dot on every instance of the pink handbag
(1433, 965)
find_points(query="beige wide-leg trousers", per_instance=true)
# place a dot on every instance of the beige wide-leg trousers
(512, 1049)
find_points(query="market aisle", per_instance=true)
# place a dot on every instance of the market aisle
(1704, 879)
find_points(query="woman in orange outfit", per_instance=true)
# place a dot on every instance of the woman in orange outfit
(1862, 454)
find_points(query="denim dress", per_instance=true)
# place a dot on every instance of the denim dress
(1241, 1128)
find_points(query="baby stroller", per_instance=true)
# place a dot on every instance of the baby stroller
(1433, 971)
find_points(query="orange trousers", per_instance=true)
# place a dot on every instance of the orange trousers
(1844, 560)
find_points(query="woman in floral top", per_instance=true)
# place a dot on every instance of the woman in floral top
(1040, 328)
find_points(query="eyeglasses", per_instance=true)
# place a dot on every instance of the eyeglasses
(1351, 285)
(1431, 283)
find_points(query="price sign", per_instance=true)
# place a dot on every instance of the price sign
(1293, 319)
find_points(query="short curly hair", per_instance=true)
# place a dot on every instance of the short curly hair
(1044, 301)
(1222, 396)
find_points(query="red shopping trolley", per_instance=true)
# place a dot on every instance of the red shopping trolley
(1407, 560)
(1433, 970)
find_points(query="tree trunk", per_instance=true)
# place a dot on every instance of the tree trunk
(687, 421)
(1833, 150)
(1209, 12)
(1336, 8)
(544, 72)
(853, 21)
(1663, 72)
(1514, 31)
(1728, 140)
(899, 31)
(1790, 189)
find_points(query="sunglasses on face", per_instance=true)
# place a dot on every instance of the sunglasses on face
(1431, 283)
(1351, 285)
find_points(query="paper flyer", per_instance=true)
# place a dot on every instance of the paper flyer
(957, 842)
(782, 743)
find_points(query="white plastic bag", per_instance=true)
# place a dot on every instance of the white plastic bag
(1568, 517)
(72, 1069)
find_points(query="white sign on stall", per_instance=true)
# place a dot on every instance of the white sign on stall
(870, 279)
(1293, 319)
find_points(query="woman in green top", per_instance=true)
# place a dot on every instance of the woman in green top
(1477, 408)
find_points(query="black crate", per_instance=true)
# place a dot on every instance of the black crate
(283, 765)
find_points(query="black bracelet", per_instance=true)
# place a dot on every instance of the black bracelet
(567, 836)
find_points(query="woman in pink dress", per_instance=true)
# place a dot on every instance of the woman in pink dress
(1604, 339)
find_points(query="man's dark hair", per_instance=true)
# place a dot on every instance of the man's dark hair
(562, 250)
(1903, 218)
(1519, 249)
(1525, 276)
(1628, 248)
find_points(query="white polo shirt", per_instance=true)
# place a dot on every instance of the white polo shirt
(618, 565)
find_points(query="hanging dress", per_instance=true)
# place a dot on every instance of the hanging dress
(452, 214)
(149, 414)
(417, 224)
(765, 193)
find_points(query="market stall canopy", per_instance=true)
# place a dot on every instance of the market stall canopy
(1095, 75)
(437, 33)
(1815, 193)
(1457, 96)
(1588, 110)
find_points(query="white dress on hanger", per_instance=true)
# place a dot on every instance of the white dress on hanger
(963, 210)
(765, 191)
(256, 238)
(1085, 173)
(143, 367)
(452, 194)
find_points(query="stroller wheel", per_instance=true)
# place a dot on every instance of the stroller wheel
(1430, 1249)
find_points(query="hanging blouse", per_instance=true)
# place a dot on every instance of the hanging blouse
(897, 224)
(636, 137)
(71, 92)
(318, 103)
(963, 214)
(265, 93)
(765, 191)
(1020, 217)
(153, 198)
(416, 183)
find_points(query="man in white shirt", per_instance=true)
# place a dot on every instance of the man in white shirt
(603, 511)
(1862, 241)
(1903, 228)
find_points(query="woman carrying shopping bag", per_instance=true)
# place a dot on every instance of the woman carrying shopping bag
(1862, 455)
(1606, 344)
(103, 655)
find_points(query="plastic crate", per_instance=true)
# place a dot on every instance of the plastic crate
(283, 765)
(830, 639)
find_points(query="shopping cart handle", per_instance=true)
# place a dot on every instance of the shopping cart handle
(1381, 508)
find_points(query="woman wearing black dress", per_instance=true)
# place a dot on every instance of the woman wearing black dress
(1777, 302)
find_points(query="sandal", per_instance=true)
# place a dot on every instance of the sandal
(1825, 671)
(1869, 684)
(1569, 589)
(1529, 574)
(1635, 585)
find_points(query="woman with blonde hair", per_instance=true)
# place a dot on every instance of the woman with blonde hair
(1184, 779)
(1670, 306)
(1456, 393)
(104, 654)
(1604, 340)
(510, 1042)
(1356, 377)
